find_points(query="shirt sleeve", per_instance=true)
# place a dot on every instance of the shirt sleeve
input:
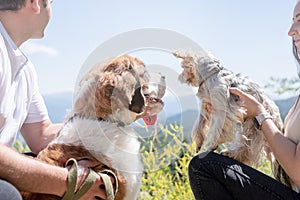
(37, 109)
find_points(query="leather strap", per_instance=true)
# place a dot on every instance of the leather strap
(71, 194)
(109, 189)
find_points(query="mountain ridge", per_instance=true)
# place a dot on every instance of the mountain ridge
(58, 105)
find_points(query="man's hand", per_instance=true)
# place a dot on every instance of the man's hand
(97, 190)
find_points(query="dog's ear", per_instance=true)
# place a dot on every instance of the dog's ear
(121, 64)
(104, 89)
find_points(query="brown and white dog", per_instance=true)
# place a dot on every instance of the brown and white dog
(111, 96)
(221, 119)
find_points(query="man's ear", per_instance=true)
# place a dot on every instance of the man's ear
(34, 6)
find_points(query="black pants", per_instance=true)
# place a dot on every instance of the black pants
(216, 177)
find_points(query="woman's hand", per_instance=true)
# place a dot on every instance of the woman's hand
(252, 106)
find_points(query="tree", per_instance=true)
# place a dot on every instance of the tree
(283, 85)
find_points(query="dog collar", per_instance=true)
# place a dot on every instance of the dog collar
(81, 116)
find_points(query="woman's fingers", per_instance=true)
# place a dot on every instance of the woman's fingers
(252, 106)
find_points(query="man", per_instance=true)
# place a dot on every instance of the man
(22, 107)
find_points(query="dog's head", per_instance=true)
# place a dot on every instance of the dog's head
(119, 91)
(197, 66)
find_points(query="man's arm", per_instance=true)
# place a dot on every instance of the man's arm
(39, 134)
(28, 174)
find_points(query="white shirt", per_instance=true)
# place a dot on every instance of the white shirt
(20, 99)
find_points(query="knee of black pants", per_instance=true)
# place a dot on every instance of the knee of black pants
(196, 163)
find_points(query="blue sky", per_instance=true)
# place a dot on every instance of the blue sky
(249, 37)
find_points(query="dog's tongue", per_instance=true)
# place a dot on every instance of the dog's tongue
(150, 120)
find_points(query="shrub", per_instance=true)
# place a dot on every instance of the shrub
(166, 175)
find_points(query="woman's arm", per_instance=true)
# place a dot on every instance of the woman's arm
(286, 152)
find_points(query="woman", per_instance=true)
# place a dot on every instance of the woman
(213, 176)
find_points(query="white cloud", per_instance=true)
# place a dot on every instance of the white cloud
(34, 48)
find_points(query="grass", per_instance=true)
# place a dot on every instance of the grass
(165, 158)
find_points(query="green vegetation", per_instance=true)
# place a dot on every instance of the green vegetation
(284, 85)
(165, 182)
(20, 146)
(166, 175)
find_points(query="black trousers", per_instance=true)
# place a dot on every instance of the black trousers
(216, 177)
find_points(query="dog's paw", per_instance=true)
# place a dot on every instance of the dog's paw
(228, 153)
(180, 54)
(206, 148)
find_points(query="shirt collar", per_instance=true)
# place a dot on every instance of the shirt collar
(17, 57)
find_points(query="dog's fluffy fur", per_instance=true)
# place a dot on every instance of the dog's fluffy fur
(111, 95)
(221, 118)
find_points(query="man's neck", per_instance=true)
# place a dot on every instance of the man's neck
(15, 26)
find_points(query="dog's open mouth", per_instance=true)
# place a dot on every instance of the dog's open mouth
(137, 103)
(150, 120)
(151, 103)
(146, 105)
